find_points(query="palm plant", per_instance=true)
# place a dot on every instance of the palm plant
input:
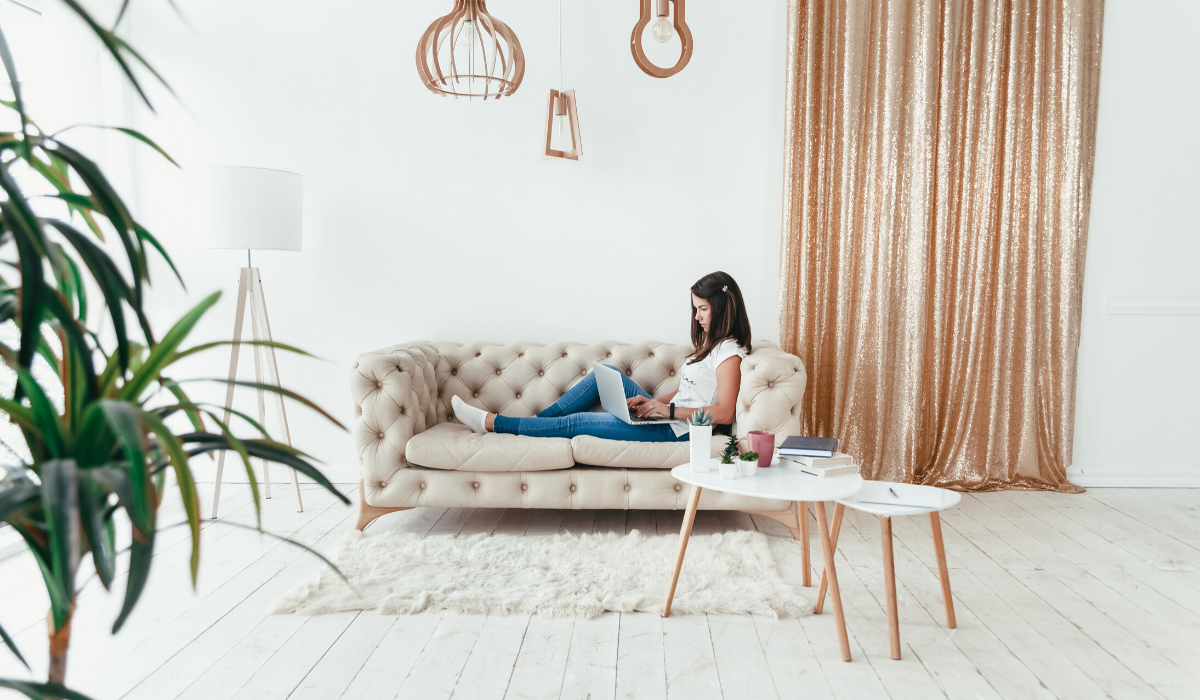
(100, 461)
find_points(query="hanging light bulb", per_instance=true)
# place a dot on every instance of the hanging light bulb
(662, 30)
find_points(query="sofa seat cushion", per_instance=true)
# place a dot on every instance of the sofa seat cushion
(456, 447)
(567, 489)
(598, 452)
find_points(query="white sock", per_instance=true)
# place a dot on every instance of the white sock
(473, 418)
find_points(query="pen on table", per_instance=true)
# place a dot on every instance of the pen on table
(894, 494)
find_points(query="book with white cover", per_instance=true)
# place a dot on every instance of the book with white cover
(835, 470)
(838, 458)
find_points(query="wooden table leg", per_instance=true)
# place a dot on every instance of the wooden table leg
(838, 511)
(802, 514)
(831, 571)
(889, 584)
(689, 517)
(935, 523)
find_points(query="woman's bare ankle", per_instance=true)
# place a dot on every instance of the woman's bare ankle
(489, 422)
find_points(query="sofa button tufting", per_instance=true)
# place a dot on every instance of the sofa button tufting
(677, 487)
(476, 484)
(541, 374)
(572, 488)
(518, 395)
(626, 487)
(497, 373)
(453, 372)
(672, 373)
(651, 354)
(422, 484)
(381, 434)
(524, 487)
(770, 385)
(476, 394)
(564, 354)
(378, 384)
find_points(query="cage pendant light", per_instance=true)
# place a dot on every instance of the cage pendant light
(469, 53)
(562, 118)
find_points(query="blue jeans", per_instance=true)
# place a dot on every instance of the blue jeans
(569, 416)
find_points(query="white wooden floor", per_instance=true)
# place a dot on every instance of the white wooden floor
(1085, 596)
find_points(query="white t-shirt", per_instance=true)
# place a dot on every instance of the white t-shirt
(698, 381)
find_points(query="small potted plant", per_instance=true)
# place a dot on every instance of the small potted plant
(749, 463)
(729, 459)
(700, 429)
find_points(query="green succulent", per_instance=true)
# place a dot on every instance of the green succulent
(748, 456)
(701, 418)
(731, 450)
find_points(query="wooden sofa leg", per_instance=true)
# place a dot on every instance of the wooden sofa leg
(796, 521)
(368, 513)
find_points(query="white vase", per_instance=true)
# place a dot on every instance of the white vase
(700, 442)
(728, 471)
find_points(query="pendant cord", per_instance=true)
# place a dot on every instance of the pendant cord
(560, 78)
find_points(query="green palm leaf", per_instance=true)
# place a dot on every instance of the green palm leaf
(160, 356)
(41, 691)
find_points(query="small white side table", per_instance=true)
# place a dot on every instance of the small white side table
(877, 491)
(780, 483)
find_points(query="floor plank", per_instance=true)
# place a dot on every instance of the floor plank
(1057, 596)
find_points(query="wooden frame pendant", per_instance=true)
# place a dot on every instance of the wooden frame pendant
(681, 28)
(562, 104)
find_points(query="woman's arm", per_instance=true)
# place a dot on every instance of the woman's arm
(636, 401)
(729, 382)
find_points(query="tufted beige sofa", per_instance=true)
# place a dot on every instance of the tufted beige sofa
(412, 452)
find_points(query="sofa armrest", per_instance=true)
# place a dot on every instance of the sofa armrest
(772, 392)
(395, 395)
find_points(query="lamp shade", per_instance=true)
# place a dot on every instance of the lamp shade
(255, 209)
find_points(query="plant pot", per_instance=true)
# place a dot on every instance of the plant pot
(728, 471)
(700, 443)
(749, 468)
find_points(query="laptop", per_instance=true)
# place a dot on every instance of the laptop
(612, 397)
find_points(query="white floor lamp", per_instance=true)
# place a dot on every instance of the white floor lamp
(255, 209)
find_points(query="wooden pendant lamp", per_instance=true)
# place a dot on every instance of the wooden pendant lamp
(562, 114)
(469, 53)
(662, 33)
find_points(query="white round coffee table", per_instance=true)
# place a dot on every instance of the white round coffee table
(779, 483)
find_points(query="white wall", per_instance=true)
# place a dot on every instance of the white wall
(1138, 392)
(429, 218)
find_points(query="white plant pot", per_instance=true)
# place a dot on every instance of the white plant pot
(700, 442)
(749, 468)
(728, 471)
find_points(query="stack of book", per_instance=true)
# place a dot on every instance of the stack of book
(817, 456)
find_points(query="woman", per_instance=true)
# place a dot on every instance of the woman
(710, 380)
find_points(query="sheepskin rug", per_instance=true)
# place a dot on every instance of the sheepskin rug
(563, 575)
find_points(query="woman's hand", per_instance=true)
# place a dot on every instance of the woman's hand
(635, 401)
(653, 407)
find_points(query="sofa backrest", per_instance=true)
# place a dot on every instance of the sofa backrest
(522, 379)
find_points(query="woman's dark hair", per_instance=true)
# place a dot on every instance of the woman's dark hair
(729, 319)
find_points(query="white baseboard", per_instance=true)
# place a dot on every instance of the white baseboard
(1133, 477)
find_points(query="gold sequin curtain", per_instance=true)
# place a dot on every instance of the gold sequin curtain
(938, 178)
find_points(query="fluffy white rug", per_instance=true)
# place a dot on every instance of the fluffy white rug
(560, 575)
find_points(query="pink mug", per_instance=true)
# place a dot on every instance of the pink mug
(762, 442)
